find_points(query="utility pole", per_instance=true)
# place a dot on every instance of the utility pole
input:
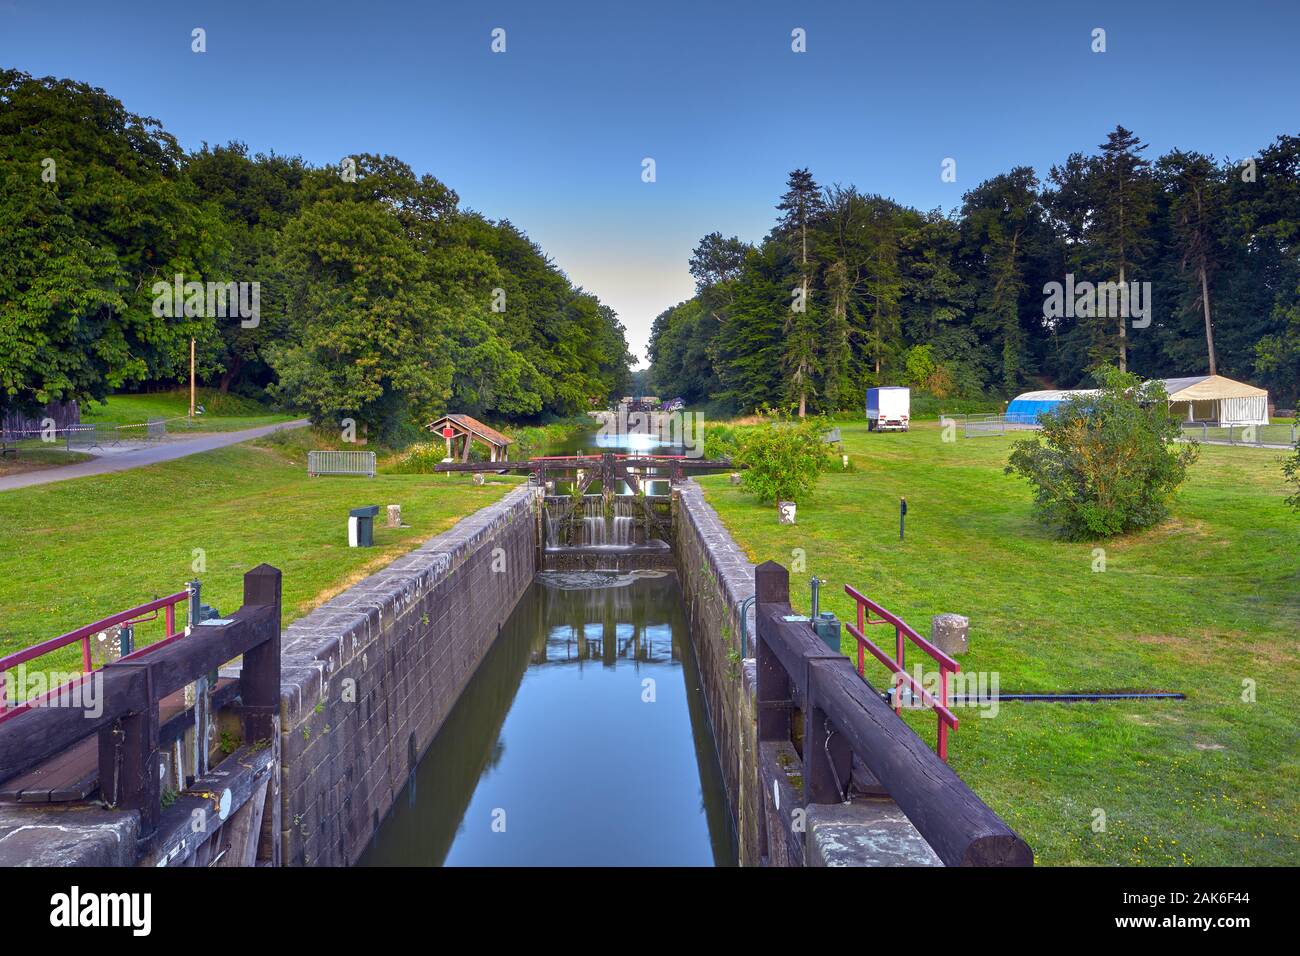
(191, 380)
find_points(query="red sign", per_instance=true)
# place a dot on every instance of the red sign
(448, 431)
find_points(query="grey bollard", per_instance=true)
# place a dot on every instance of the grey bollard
(735, 477)
(394, 516)
(950, 633)
(478, 478)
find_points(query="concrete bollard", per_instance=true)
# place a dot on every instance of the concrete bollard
(394, 516)
(735, 477)
(950, 633)
(478, 477)
(785, 512)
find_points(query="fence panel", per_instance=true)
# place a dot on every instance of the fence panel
(98, 435)
(341, 463)
(975, 426)
(1278, 434)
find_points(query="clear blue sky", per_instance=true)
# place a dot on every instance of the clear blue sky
(551, 134)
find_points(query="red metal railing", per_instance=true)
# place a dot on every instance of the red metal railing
(596, 457)
(902, 629)
(83, 635)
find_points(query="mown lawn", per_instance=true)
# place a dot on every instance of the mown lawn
(35, 455)
(221, 412)
(76, 551)
(1207, 604)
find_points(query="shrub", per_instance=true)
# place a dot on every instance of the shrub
(721, 441)
(1107, 463)
(783, 457)
(1291, 471)
(419, 459)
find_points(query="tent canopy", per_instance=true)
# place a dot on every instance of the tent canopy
(1205, 388)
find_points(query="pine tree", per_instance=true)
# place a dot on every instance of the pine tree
(1123, 199)
(1194, 182)
(1001, 216)
(800, 204)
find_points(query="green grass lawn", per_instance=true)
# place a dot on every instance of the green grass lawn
(1202, 604)
(79, 550)
(221, 412)
(34, 455)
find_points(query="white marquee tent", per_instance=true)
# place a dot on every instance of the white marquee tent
(1213, 398)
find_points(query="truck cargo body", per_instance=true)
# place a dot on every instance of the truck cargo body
(888, 408)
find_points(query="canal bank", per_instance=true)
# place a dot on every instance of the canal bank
(716, 580)
(370, 676)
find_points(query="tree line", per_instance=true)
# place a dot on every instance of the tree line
(378, 296)
(1181, 265)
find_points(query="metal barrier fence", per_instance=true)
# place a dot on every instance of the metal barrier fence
(341, 463)
(155, 429)
(97, 435)
(975, 426)
(1279, 435)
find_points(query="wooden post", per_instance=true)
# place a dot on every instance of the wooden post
(827, 757)
(771, 587)
(259, 681)
(128, 753)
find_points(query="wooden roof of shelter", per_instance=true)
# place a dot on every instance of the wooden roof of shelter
(473, 426)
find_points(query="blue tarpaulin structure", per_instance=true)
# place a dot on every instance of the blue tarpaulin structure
(1026, 408)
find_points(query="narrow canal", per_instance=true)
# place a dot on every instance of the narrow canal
(581, 740)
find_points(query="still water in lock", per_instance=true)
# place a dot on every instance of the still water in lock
(582, 739)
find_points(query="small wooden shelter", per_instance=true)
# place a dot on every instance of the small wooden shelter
(461, 431)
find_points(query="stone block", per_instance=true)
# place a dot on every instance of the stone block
(949, 633)
(866, 832)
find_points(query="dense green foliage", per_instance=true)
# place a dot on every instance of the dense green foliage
(1106, 463)
(381, 299)
(954, 304)
(78, 254)
(782, 457)
(1291, 472)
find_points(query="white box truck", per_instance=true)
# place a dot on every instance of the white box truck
(888, 408)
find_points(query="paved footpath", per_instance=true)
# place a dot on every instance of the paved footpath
(136, 455)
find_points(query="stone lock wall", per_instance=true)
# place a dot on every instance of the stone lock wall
(370, 676)
(715, 578)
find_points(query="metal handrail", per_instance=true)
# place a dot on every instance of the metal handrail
(84, 634)
(902, 629)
